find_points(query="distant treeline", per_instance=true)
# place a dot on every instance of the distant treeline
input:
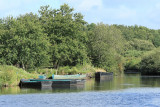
(60, 37)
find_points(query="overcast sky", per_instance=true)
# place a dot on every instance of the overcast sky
(126, 12)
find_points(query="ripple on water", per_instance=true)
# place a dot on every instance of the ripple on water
(140, 97)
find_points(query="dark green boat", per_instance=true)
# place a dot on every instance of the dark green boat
(38, 83)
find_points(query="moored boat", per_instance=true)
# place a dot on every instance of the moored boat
(50, 82)
(103, 76)
(77, 76)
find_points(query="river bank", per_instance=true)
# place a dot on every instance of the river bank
(11, 75)
(126, 81)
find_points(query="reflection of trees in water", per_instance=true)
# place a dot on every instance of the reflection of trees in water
(114, 83)
(104, 83)
(150, 81)
(7, 90)
(119, 82)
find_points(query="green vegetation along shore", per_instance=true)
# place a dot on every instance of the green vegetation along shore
(62, 40)
(11, 75)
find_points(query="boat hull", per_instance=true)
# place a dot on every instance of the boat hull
(103, 76)
(53, 83)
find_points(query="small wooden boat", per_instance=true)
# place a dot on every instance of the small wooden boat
(77, 76)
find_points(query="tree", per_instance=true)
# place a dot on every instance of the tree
(141, 45)
(66, 32)
(106, 45)
(156, 39)
(25, 44)
(150, 64)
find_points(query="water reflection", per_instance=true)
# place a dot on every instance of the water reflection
(111, 83)
(153, 81)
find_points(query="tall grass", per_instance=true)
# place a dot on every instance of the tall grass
(79, 69)
(68, 70)
(10, 75)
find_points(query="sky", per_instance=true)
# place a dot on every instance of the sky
(124, 12)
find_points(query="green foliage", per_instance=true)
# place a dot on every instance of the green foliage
(141, 45)
(138, 32)
(86, 68)
(62, 39)
(71, 52)
(65, 30)
(82, 69)
(24, 43)
(133, 63)
(140, 42)
(151, 63)
(133, 53)
(45, 71)
(10, 75)
(156, 39)
(106, 43)
(67, 70)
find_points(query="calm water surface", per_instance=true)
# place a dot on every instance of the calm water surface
(128, 90)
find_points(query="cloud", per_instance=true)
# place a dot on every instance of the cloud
(87, 5)
(17, 7)
(124, 12)
(84, 5)
(127, 12)
(120, 12)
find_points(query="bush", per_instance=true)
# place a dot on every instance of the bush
(10, 75)
(132, 63)
(82, 69)
(73, 70)
(151, 64)
(63, 70)
(87, 68)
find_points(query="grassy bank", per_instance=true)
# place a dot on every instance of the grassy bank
(67, 70)
(10, 75)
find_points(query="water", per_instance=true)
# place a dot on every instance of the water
(129, 90)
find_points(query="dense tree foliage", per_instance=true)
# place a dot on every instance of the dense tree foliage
(60, 37)
(140, 41)
(66, 31)
(23, 42)
(106, 46)
(150, 64)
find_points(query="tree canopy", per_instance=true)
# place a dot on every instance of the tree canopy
(66, 32)
(106, 44)
(61, 37)
(24, 43)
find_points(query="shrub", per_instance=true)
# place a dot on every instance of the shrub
(151, 64)
(63, 70)
(10, 75)
(133, 63)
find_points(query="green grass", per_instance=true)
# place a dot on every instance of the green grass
(76, 69)
(82, 69)
(10, 75)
